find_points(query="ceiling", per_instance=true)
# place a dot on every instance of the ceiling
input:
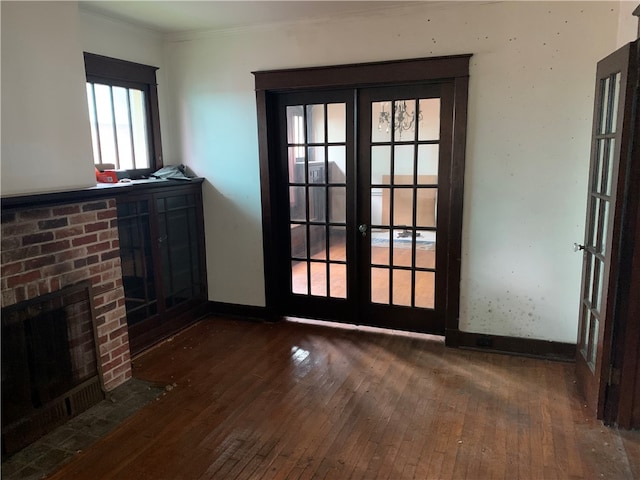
(185, 16)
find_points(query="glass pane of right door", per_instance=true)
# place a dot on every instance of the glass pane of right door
(405, 143)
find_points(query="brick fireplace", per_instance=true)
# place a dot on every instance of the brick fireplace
(47, 248)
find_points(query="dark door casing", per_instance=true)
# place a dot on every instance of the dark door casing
(358, 88)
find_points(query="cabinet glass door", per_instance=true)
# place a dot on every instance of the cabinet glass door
(178, 245)
(138, 271)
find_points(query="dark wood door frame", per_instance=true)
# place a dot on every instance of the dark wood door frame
(452, 71)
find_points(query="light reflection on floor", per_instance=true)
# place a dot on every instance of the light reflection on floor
(366, 328)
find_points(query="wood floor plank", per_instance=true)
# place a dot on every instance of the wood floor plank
(295, 401)
(331, 444)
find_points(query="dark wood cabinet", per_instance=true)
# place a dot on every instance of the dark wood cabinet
(163, 260)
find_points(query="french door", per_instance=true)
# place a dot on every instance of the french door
(361, 210)
(609, 236)
(403, 205)
(315, 173)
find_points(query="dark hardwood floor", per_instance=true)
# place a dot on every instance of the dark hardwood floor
(300, 401)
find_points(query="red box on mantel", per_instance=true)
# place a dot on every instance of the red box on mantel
(108, 176)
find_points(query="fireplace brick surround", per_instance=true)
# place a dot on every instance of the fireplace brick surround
(47, 248)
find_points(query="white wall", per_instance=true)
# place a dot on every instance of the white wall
(627, 23)
(46, 142)
(530, 107)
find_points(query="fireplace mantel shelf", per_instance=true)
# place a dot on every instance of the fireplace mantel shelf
(106, 190)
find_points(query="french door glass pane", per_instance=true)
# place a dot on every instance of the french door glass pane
(589, 279)
(295, 125)
(295, 164)
(429, 123)
(616, 99)
(426, 204)
(584, 331)
(403, 207)
(338, 243)
(403, 164)
(337, 123)
(428, 164)
(315, 123)
(603, 221)
(596, 294)
(380, 206)
(316, 169)
(599, 167)
(298, 241)
(380, 246)
(402, 248)
(402, 287)
(380, 285)
(317, 210)
(593, 220)
(404, 119)
(337, 156)
(299, 277)
(337, 204)
(297, 202)
(593, 341)
(319, 279)
(380, 164)
(426, 249)
(610, 162)
(317, 198)
(404, 201)
(317, 242)
(338, 284)
(380, 122)
(604, 109)
(425, 288)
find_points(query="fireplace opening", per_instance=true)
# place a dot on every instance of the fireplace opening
(49, 364)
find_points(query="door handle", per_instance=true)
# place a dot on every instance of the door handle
(362, 228)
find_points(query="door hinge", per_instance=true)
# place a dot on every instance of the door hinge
(614, 376)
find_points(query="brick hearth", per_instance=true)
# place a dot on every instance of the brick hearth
(48, 248)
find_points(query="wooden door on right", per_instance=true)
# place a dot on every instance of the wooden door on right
(607, 364)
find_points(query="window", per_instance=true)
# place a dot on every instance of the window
(123, 110)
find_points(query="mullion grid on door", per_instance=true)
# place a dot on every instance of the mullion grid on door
(392, 206)
(601, 195)
(307, 202)
(395, 187)
(325, 222)
(327, 212)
